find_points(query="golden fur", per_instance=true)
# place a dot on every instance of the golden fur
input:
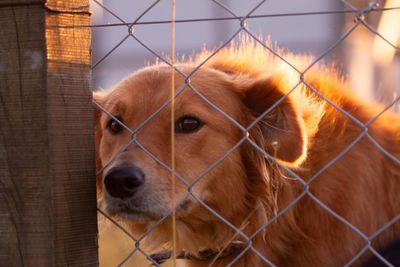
(303, 134)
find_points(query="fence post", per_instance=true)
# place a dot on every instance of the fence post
(47, 165)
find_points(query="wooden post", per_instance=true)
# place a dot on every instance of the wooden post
(47, 162)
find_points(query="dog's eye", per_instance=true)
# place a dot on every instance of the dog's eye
(114, 126)
(187, 124)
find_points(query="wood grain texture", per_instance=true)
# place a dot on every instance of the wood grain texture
(9, 3)
(76, 6)
(47, 166)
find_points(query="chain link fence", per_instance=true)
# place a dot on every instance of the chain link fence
(357, 16)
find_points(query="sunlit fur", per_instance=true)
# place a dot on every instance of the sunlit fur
(303, 134)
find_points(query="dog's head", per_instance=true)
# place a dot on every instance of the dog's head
(213, 120)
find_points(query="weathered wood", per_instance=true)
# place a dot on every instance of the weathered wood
(47, 166)
(10, 3)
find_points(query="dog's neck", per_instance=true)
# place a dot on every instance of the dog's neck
(236, 249)
(207, 256)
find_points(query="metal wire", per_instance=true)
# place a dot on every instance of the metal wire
(294, 14)
(242, 28)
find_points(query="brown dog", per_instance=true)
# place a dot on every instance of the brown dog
(272, 178)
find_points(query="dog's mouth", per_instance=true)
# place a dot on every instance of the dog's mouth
(134, 215)
(128, 213)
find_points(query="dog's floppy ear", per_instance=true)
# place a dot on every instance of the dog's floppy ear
(281, 132)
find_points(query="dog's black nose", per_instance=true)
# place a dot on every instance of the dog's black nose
(122, 182)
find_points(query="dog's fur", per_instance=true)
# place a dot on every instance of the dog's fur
(303, 134)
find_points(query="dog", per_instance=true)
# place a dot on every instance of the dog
(272, 166)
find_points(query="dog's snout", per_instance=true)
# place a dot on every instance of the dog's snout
(122, 182)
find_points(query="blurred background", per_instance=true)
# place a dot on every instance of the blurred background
(369, 63)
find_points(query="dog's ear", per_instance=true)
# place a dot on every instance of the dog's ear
(281, 132)
(98, 98)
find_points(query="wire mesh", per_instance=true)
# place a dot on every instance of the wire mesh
(243, 29)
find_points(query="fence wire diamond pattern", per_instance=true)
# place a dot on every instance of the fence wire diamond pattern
(242, 29)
